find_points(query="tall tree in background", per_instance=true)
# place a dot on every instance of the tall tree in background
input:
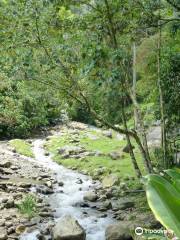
(161, 94)
(136, 123)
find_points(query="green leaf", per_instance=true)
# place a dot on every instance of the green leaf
(164, 200)
(175, 177)
(173, 174)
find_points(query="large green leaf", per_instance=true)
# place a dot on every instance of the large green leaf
(164, 201)
(175, 177)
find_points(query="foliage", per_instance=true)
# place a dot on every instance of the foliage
(79, 112)
(146, 66)
(25, 103)
(50, 43)
(171, 80)
(28, 206)
(163, 195)
(79, 54)
(22, 147)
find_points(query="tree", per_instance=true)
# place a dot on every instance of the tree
(82, 50)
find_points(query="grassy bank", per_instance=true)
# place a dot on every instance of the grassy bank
(22, 147)
(93, 140)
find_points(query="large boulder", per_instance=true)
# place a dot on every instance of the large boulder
(68, 228)
(110, 181)
(118, 231)
(90, 196)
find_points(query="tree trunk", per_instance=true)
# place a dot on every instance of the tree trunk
(136, 122)
(142, 131)
(148, 166)
(128, 135)
(139, 124)
(161, 97)
(131, 152)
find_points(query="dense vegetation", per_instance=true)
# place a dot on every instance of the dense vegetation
(105, 62)
(51, 48)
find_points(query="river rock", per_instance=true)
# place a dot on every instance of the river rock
(125, 205)
(9, 203)
(8, 224)
(118, 231)
(7, 171)
(110, 181)
(46, 214)
(45, 175)
(90, 196)
(61, 184)
(49, 184)
(3, 234)
(5, 164)
(126, 149)
(46, 153)
(4, 200)
(78, 126)
(10, 230)
(24, 185)
(44, 190)
(100, 171)
(102, 198)
(20, 229)
(116, 155)
(79, 181)
(68, 228)
(107, 205)
(107, 133)
(70, 150)
(2, 222)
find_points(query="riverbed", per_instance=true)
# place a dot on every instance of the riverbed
(67, 199)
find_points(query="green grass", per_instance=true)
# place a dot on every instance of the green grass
(102, 143)
(121, 167)
(28, 206)
(22, 147)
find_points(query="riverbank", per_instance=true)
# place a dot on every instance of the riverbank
(93, 151)
(23, 187)
(119, 199)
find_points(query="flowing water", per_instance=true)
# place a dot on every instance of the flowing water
(66, 201)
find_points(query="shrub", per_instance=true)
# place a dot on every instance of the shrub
(28, 206)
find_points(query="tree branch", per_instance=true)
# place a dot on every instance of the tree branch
(79, 91)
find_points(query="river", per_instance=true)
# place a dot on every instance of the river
(66, 199)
